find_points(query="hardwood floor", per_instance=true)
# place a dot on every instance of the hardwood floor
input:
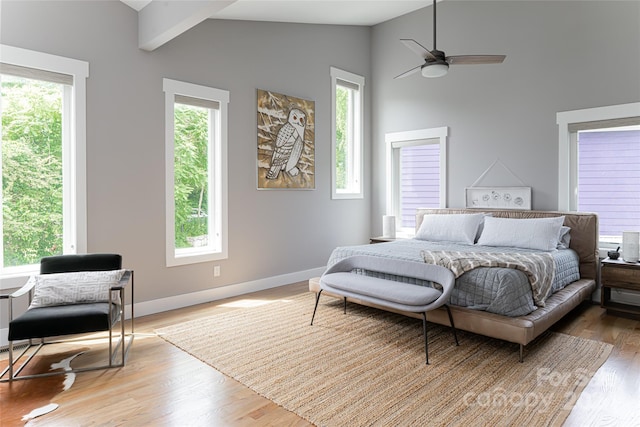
(164, 386)
(612, 397)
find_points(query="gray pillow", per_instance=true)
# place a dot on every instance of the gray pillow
(74, 288)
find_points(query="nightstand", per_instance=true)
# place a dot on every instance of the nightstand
(616, 274)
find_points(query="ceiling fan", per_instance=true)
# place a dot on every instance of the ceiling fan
(436, 64)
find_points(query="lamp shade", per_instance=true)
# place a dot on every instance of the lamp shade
(435, 69)
(389, 226)
(630, 246)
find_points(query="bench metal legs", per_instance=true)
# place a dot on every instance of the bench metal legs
(424, 324)
(316, 307)
(424, 329)
(318, 300)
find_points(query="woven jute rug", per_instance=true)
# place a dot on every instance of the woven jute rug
(368, 367)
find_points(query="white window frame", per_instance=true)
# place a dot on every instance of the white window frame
(218, 196)
(394, 141)
(355, 170)
(74, 178)
(568, 149)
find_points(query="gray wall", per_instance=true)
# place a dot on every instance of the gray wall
(560, 56)
(271, 233)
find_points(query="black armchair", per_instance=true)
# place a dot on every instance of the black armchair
(62, 319)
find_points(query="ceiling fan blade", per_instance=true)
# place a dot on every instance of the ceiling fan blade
(408, 73)
(436, 64)
(417, 48)
(475, 59)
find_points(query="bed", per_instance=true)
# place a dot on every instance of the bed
(521, 321)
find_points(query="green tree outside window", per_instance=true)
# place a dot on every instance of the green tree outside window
(190, 175)
(342, 105)
(31, 170)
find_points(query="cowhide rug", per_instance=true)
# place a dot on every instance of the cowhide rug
(21, 401)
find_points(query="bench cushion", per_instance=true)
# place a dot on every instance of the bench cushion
(382, 289)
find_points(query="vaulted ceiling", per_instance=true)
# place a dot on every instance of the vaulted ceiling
(159, 21)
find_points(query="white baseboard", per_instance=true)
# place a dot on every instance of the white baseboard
(185, 300)
(214, 294)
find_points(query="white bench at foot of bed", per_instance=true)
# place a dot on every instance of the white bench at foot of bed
(343, 279)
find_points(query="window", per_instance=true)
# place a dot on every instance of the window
(196, 172)
(43, 159)
(600, 167)
(347, 134)
(416, 171)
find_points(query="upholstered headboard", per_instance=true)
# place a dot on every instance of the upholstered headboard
(584, 231)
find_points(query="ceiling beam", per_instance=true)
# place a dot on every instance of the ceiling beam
(162, 21)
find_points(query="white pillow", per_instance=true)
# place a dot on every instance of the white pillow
(460, 228)
(481, 226)
(530, 233)
(73, 288)
(564, 239)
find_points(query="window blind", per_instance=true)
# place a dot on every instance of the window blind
(601, 157)
(197, 102)
(348, 85)
(604, 124)
(35, 74)
(419, 177)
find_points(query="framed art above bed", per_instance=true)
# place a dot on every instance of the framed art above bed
(498, 197)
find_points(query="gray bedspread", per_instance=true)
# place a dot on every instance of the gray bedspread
(502, 291)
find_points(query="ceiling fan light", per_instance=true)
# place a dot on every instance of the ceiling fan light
(437, 69)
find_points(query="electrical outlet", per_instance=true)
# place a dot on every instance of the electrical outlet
(216, 271)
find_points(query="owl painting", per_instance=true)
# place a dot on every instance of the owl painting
(288, 145)
(286, 141)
